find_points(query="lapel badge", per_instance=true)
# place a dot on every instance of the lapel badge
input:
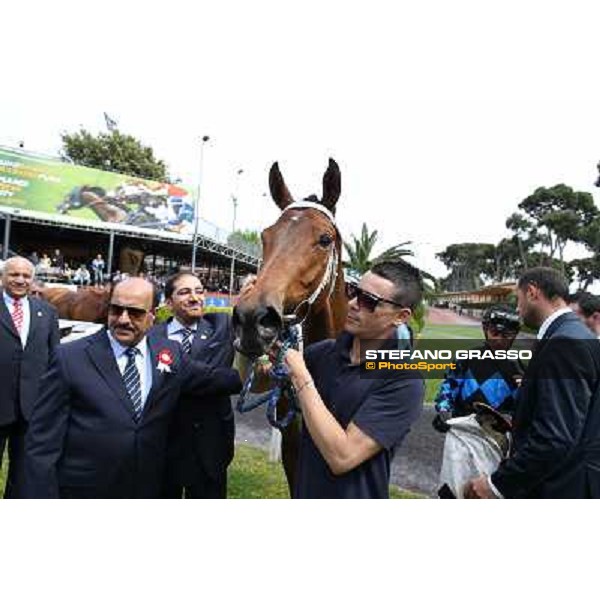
(40, 314)
(165, 360)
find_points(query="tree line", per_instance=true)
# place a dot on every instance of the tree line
(540, 230)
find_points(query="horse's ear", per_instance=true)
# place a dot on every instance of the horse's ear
(279, 190)
(332, 185)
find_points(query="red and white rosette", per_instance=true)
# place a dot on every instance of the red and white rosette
(165, 360)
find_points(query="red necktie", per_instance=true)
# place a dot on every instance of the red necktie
(17, 314)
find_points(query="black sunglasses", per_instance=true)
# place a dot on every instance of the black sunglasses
(135, 313)
(365, 300)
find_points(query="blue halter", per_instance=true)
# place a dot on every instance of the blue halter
(283, 386)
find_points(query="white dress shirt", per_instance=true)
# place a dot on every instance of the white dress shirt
(175, 330)
(143, 362)
(10, 304)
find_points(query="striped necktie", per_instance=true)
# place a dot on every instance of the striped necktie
(131, 377)
(186, 340)
(17, 314)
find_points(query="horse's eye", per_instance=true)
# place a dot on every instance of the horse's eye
(325, 240)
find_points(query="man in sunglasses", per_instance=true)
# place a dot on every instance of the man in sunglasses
(99, 428)
(487, 381)
(353, 425)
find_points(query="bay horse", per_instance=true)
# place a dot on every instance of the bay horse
(93, 198)
(301, 280)
(86, 304)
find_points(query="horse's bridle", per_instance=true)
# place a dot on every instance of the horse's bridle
(329, 276)
(291, 337)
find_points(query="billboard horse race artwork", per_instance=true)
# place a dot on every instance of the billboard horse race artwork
(134, 203)
(42, 186)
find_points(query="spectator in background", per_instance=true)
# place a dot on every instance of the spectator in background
(34, 258)
(587, 307)
(82, 276)
(58, 262)
(37, 289)
(67, 273)
(45, 262)
(98, 270)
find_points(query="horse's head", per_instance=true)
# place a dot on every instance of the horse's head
(72, 200)
(81, 196)
(301, 252)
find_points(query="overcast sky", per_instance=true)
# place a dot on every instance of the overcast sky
(442, 115)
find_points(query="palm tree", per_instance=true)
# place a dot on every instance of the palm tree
(359, 251)
(359, 261)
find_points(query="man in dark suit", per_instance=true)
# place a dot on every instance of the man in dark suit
(587, 307)
(556, 432)
(100, 427)
(201, 437)
(28, 336)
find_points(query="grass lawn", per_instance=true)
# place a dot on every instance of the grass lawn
(251, 475)
(458, 332)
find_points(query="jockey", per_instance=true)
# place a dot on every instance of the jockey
(492, 382)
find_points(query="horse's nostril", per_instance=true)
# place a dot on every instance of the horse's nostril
(256, 328)
(269, 318)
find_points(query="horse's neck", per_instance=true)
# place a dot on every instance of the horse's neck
(328, 320)
(320, 325)
(107, 212)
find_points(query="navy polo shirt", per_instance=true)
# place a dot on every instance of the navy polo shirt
(383, 409)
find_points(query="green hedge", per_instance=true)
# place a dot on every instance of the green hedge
(164, 312)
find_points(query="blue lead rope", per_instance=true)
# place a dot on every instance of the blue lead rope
(283, 386)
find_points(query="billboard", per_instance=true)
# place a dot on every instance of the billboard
(49, 186)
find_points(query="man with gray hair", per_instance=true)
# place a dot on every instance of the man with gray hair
(28, 335)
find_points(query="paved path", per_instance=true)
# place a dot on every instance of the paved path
(445, 316)
(415, 467)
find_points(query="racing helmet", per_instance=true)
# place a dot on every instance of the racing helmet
(502, 318)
